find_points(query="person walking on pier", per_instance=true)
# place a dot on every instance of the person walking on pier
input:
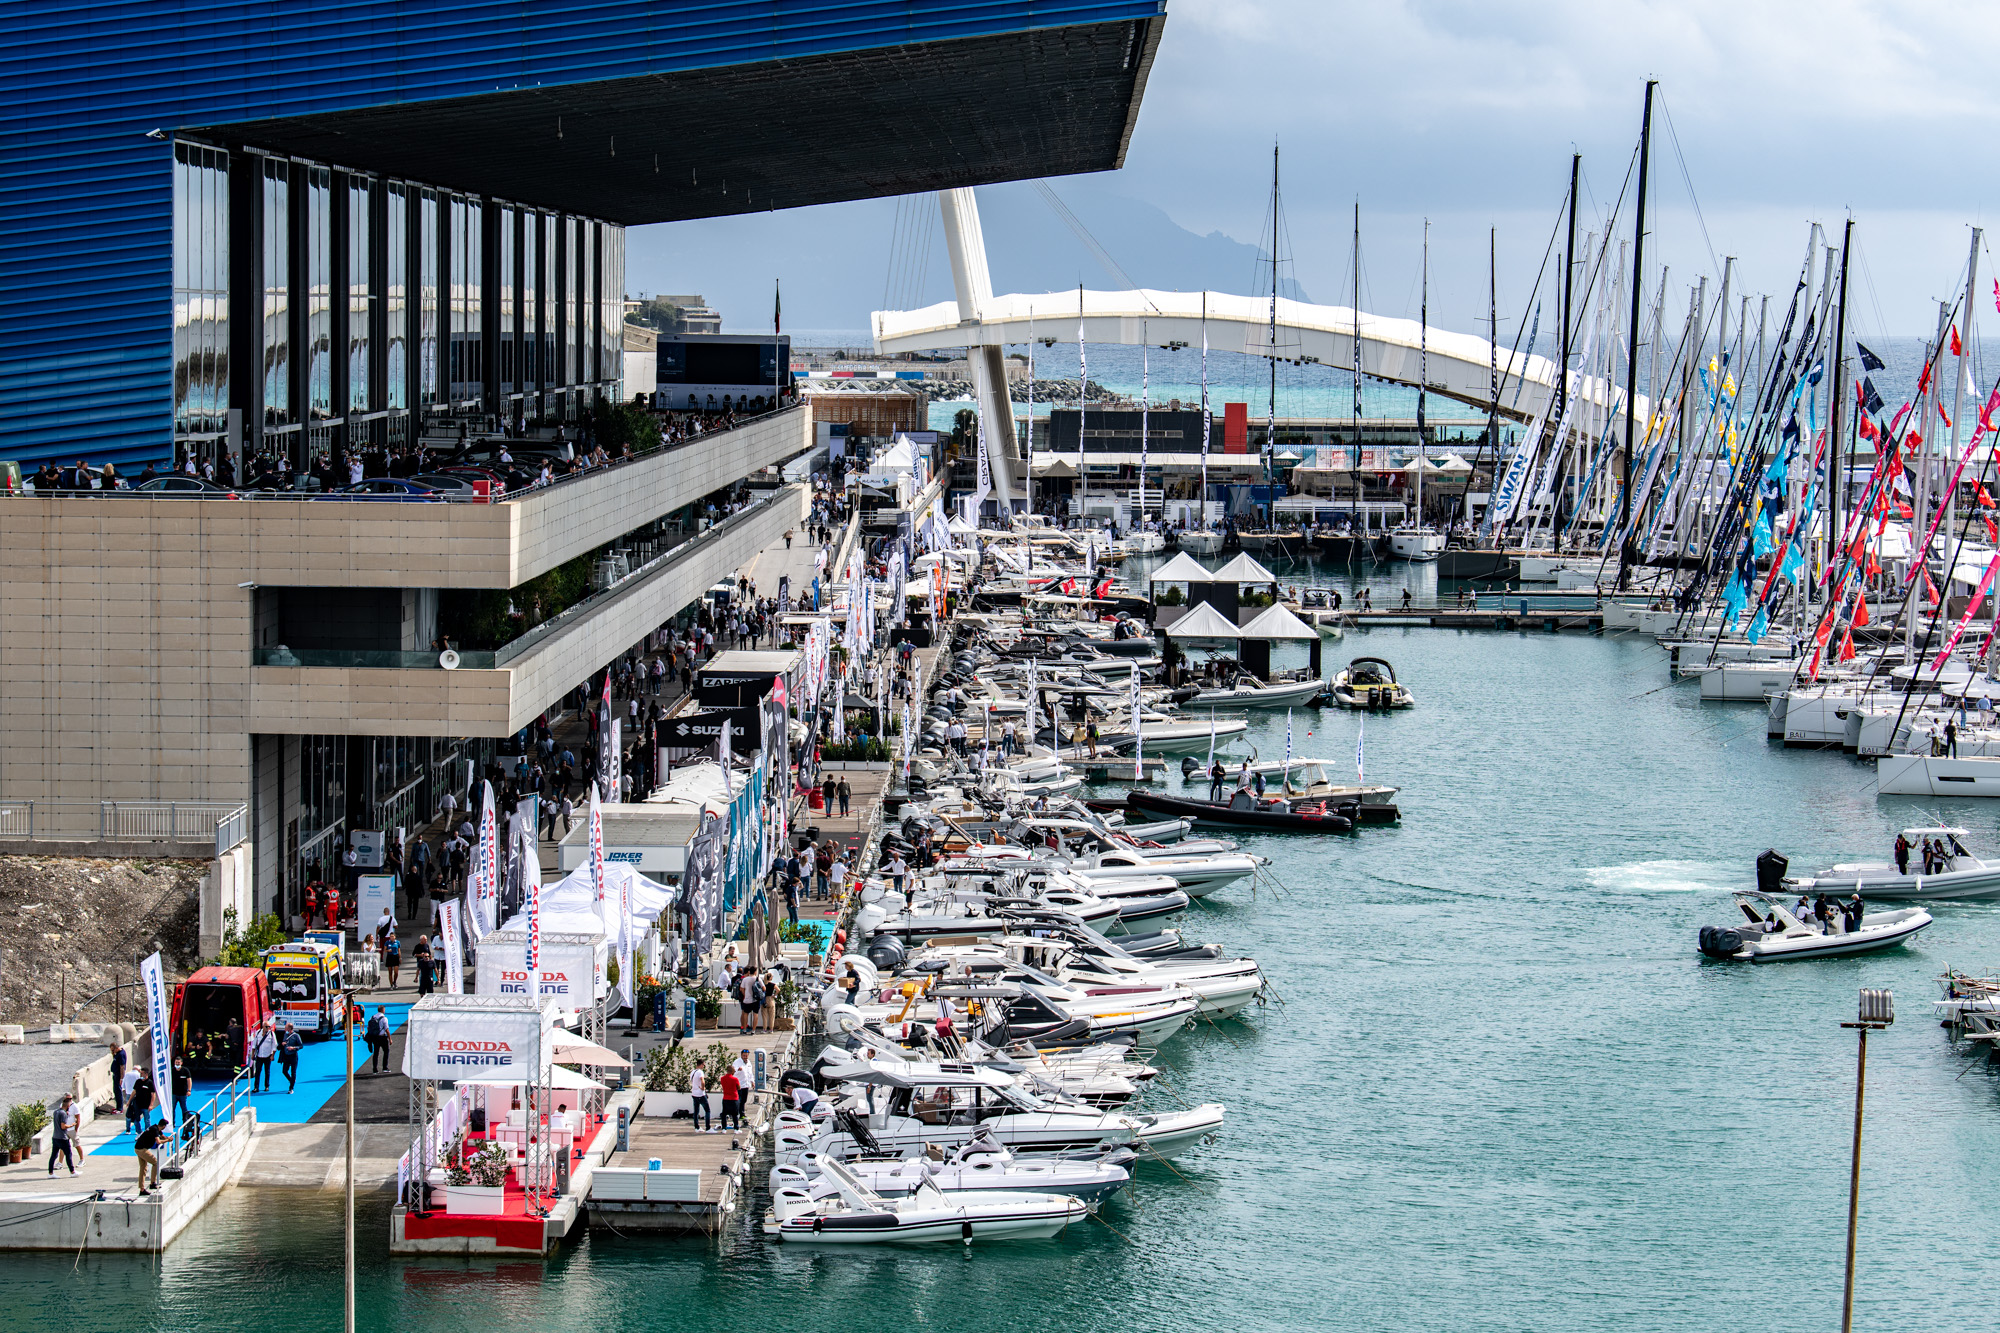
(699, 1115)
(262, 1051)
(846, 793)
(732, 1100)
(426, 963)
(378, 1041)
(290, 1043)
(62, 1126)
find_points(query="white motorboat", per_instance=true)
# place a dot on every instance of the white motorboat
(1202, 541)
(979, 1165)
(949, 1105)
(1169, 737)
(1369, 683)
(1249, 692)
(1771, 933)
(1964, 878)
(1141, 541)
(1198, 876)
(856, 1215)
(1411, 542)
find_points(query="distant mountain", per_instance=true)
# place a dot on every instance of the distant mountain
(839, 262)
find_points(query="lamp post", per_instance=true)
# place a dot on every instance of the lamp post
(1878, 1010)
(350, 1013)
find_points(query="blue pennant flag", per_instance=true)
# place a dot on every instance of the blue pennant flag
(1758, 624)
(1762, 542)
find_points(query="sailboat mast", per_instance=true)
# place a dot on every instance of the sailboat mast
(1028, 482)
(1145, 405)
(1271, 416)
(1201, 500)
(1568, 317)
(1082, 394)
(1625, 549)
(1423, 372)
(1493, 376)
(1354, 439)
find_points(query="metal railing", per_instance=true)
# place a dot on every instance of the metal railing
(204, 1120)
(225, 823)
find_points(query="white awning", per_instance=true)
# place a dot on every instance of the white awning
(1276, 622)
(1243, 570)
(1204, 622)
(1183, 568)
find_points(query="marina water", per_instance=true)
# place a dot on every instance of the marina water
(1502, 1090)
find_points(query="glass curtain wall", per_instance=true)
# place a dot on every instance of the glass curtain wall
(506, 295)
(319, 293)
(611, 307)
(465, 254)
(360, 295)
(396, 296)
(426, 279)
(583, 314)
(277, 314)
(201, 292)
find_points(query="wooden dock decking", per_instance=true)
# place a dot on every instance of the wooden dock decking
(722, 1158)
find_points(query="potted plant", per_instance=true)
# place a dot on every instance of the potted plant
(667, 1072)
(24, 1121)
(707, 1006)
(478, 1184)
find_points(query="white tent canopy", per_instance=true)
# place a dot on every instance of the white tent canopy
(569, 906)
(1243, 570)
(1276, 622)
(1204, 622)
(1453, 463)
(1183, 568)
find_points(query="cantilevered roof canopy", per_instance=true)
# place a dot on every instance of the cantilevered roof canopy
(681, 127)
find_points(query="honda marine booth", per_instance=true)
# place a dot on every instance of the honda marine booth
(572, 971)
(480, 1072)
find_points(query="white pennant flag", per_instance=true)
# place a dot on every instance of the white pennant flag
(1138, 738)
(1360, 762)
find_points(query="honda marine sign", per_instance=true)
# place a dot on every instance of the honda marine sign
(571, 970)
(478, 1037)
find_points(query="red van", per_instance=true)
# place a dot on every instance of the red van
(204, 1006)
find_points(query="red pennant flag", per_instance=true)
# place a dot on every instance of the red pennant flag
(1985, 497)
(1903, 510)
(1956, 350)
(1993, 532)
(1867, 429)
(1847, 646)
(1861, 616)
(1913, 439)
(1946, 416)
(1930, 589)
(1924, 378)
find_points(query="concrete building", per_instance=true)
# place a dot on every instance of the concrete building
(397, 245)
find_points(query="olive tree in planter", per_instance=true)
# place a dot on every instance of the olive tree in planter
(666, 1075)
(478, 1185)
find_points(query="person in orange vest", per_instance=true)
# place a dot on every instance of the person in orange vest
(311, 902)
(333, 907)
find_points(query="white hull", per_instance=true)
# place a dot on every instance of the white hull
(1930, 775)
(1418, 544)
(1964, 886)
(1896, 928)
(1744, 682)
(1179, 738)
(1271, 696)
(1201, 543)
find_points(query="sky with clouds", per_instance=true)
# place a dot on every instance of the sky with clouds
(1772, 115)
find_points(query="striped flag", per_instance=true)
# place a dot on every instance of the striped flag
(1360, 762)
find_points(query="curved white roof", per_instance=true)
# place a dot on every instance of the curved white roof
(1455, 365)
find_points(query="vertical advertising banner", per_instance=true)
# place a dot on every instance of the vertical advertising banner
(454, 947)
(154, 982)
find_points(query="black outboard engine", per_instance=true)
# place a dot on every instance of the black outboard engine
(1722, 941)
(1771, 869)
(886, 952)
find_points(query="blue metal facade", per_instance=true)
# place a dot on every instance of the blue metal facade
(86, 194)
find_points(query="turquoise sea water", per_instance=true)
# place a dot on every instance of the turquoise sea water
(1502, 1091)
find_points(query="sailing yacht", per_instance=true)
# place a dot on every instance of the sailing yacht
(1415, 540)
